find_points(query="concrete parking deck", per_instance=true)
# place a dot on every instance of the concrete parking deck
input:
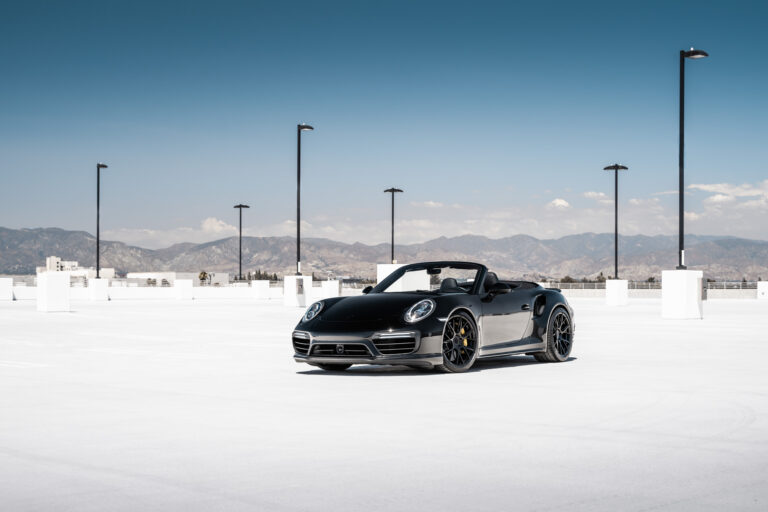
(198, 406)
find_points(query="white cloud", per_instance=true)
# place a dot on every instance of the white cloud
(216, 226)
(428, 204)
(719, 198)
(595, 195)
(744, 190)
(559, 203)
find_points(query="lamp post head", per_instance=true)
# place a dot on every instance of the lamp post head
(393, 190)
(241, 206)
(305, 127)
(695, 54)
(101, 166)
(616, 167)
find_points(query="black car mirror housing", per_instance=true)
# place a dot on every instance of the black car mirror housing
(367, 290)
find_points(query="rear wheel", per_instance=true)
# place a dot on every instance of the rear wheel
(334, 367)
(459, 343)
(559, 338)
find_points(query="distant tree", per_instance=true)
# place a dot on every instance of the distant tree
(651, 280)
(744, 280)
(203, 276)
(759, 278)
(567, 279)
(601, 278)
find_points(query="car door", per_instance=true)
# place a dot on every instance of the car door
(505, 320)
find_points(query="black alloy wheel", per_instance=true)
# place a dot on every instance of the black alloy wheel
(459, 343)
(559, 338)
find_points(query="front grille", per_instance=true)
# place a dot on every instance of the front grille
(392, 346)
(300, 344)
(331, 350)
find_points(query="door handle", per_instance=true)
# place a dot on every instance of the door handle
(526, 307)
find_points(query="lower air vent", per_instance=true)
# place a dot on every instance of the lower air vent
(392, 346)
(300, 344)
(340, 350)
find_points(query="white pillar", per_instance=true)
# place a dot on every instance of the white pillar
(296, 290)
(53, 291)
(681, 294)
(98, 289)
(183, 288)
(331, 288)
(384, 269)
(6, 288)
(762, 290)
(616, 292)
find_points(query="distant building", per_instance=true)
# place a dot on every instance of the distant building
(56, 264)
(159, 278)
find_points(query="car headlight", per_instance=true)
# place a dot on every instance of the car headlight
(420, 311)
(313, 310)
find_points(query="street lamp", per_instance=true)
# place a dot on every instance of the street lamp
(616, 168)
(393, 191)
(99, 167)
(684, 54)
(299, 128)
(240, 257)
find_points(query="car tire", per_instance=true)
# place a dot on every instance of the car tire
(460, 342)
(334, 367)
(559, 338)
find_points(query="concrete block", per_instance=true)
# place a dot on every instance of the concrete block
(681, 294)
(762, 290)
(616, 292)
(260, 289)
(183, 289)
(98, 289)
(6, 288)
(296, 290)
(384, 269)
(330, 288)
(411, 281)
(53, 291)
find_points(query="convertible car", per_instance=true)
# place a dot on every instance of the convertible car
(443, 314)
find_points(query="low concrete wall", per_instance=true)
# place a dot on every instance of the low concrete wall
(731, 294)
(584, 293)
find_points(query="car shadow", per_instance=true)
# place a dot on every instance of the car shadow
(366, 370)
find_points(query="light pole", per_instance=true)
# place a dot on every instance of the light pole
(299, 128)
(393, 190)
(616, 168)
(99, 167)
(240, 252)
(684, 54)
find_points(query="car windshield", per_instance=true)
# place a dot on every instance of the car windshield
(433, 279)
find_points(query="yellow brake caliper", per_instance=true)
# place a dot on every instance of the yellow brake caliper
(462, 333)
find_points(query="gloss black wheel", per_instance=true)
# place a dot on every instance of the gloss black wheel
(559, 337)
(459, 343)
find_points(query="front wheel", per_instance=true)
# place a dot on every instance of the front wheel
(559, 338)
(334, 367)
(459, 343)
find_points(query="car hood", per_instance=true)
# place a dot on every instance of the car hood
(374, 308)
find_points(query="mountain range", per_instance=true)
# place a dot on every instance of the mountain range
(582, 255)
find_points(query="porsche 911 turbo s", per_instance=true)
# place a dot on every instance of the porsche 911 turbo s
(442, 314)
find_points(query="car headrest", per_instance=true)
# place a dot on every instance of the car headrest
(490, 279)
(448, 284)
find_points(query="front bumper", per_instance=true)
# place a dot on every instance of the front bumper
(401, 347)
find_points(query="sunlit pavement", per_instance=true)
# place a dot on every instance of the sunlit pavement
(198, 406)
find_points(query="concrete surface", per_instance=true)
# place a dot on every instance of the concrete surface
(198, 406)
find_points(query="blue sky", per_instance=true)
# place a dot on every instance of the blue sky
(495, 117)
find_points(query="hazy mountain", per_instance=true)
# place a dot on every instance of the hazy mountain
(582, 255)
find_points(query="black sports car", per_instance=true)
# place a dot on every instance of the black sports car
(443, 314)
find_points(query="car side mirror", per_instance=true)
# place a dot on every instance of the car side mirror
(367, 290)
